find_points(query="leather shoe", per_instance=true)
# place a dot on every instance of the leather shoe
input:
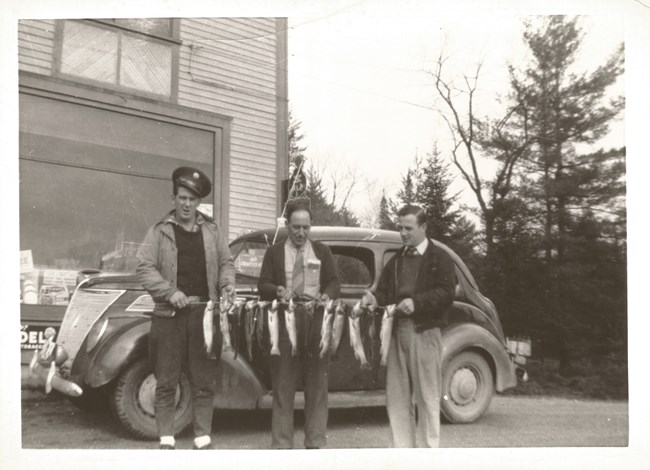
(205, 447)
(167, 447)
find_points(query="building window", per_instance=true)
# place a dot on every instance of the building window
(134, 54)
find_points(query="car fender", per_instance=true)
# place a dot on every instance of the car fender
(238, 387)
(119, 350)
(468, 336)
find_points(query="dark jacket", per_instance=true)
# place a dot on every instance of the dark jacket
(434, 288)
(273, 275)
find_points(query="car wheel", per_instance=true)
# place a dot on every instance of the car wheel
(132, 401)
(468, 386)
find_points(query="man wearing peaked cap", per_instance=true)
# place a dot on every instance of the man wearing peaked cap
(183, 262)
(192, 179)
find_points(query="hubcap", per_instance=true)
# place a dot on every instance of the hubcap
(463, 386)
(147, 395)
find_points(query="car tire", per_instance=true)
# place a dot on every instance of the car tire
(132, 401)
(468, 386)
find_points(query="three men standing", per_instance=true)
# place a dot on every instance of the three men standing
(304, 268)
(421, 281)
(183, 262)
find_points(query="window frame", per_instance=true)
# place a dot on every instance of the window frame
(174, 42)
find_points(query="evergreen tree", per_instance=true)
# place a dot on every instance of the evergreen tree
(563, 109)
(385, 221)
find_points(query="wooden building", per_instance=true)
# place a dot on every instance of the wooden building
(109, 107)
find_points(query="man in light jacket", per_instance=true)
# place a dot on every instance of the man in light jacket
(183, 262)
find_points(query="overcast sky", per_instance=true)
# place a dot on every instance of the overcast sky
(359, 82)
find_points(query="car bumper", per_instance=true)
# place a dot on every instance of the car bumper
(52, 378)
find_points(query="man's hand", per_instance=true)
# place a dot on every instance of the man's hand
(368, 300)
(406, 306)
(282, 293)
(179, 300)
(324, 298)
(228, 293)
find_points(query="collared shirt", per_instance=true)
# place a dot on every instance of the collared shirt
(422, 247)
(312, 287)
(198, 221)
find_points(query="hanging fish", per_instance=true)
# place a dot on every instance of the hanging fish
(249, 325)
(354, 323)
(274, 328)
(290, 323)
(259, 322)
(208, 326)
(234, 317)
(224, 325)
(337, 327)
(326, 329)
(386, 332)
(307, 323)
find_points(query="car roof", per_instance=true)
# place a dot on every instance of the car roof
(328, 233)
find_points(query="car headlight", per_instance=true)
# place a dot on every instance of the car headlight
(96, 332)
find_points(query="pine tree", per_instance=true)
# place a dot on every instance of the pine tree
(562, 110)
(385, 222)
(433, 196)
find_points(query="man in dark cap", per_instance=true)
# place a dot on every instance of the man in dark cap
(299, 267)
(183, 262)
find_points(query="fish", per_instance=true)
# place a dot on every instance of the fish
(290, 323)
(234, 317)
(386, 332)
(224, 325)
(354, 323)
(259, 322)
(249, 325)
(208, 326)
(337, 327)
(326, 329)
(308, 320)
(274, 328)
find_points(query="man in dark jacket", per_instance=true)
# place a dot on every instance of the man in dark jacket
(299, 267)
(421, 281)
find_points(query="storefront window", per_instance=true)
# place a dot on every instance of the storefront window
(92, 181)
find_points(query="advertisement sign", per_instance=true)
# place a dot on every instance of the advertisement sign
(26, 261)
(31, 336)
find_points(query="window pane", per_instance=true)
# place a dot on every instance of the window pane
(157, 26)
(352, 270)
(146, 65)
(89, 52)
(74, 218)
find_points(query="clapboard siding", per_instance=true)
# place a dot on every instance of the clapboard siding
(36, 45)
(229, 66)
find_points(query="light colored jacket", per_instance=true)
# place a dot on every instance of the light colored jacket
(157, 259)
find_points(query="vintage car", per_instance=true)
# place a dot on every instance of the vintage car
(105, 332)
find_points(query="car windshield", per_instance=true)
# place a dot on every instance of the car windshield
(248, 256)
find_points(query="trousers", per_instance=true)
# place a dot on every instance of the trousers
(287, 370)
(176, 344)
(414, 382)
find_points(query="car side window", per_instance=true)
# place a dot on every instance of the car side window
(355, 265)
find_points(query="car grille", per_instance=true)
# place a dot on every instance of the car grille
(85, 307)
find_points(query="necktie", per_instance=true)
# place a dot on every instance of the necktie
(298, 275)
(411, 251)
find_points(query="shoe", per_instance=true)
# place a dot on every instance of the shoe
(167, 447)
(205, 447)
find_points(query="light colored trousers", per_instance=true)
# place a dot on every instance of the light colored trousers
(413, 379)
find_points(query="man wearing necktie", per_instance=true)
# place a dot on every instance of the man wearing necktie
(421, 281)
(299, 267)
